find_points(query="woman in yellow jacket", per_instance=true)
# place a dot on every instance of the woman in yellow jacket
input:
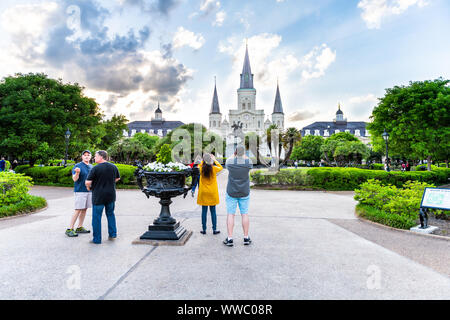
(208, 191)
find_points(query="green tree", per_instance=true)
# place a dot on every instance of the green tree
(149, 141)
(269, 138)
(254, 148)
(342, 136)
(127, 151)
(113, 131)
(308, 149)
(165, 154)
(35, 113)
(207, 137)
(348, 152)
(330, 144)
(289, 138)
(417, 119)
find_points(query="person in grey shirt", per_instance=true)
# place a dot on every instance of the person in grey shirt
(238, 192)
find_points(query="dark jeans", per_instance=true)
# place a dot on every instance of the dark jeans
(194, 185)
(213, 216)
(97, 211)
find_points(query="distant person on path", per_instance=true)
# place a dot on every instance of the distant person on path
(14, 165)
(2, 164)
(196, 175)
(83, 197)
(296, 164)
(208, 191)
(102, 181)
(407, 166)
(238, 192)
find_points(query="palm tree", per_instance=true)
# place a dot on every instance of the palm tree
(289, 139)
(269, 140)
(252, 147)
(269, 135)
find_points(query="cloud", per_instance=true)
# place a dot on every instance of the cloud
(185, 37)
(373, 11)
(74, 43)
(301, 115)
(361, 106)
(270, 61)
(369, 98)
(317, 61)
(158, 6)
(208, 8)
(220, 18)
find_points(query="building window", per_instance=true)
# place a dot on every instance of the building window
(125, 133)
(214, 123)
(133, 132)
(168, 130)
(143, 130)
(357, 133)
(317, 132)
(326, 133)
(249, 106)
(337, 131)
(151, 131)
(347, 130)
(307, 132)
(259, 124)
(160, 132)
(243, 106)
(367, 133)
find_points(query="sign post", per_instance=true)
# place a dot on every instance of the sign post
(433, 198)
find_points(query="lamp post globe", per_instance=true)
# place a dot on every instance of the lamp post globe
(67, 135)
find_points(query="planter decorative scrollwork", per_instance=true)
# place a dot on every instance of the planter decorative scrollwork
(163, 185)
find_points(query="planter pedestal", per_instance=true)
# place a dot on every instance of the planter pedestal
(164, 232)
(164, 185)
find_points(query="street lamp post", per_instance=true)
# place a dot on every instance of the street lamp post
(385, 136)
(67, 134)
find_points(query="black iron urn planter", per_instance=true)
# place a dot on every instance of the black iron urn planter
(163, 185)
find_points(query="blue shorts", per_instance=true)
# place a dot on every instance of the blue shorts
(232, 203)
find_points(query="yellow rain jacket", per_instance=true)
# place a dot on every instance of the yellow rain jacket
(208, 191)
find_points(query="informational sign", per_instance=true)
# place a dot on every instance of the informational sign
(436, 198)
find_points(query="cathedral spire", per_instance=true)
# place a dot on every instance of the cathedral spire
(215, 102)
(246, 75)
(278, 106)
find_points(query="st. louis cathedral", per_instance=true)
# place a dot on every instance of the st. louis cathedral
(251, 118)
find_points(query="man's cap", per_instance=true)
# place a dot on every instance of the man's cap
(85, 152)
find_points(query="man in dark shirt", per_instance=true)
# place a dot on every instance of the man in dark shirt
(102, 181)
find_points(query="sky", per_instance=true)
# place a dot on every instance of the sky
(131, 54)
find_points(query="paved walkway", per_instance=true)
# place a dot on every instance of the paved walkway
(306, 245)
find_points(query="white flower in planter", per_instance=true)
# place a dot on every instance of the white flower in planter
(170, 167)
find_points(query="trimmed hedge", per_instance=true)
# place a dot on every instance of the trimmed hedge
(14, 197)
(376, 215)
(28, 204)
(345, 178)
(60, 176)
(389, 205)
